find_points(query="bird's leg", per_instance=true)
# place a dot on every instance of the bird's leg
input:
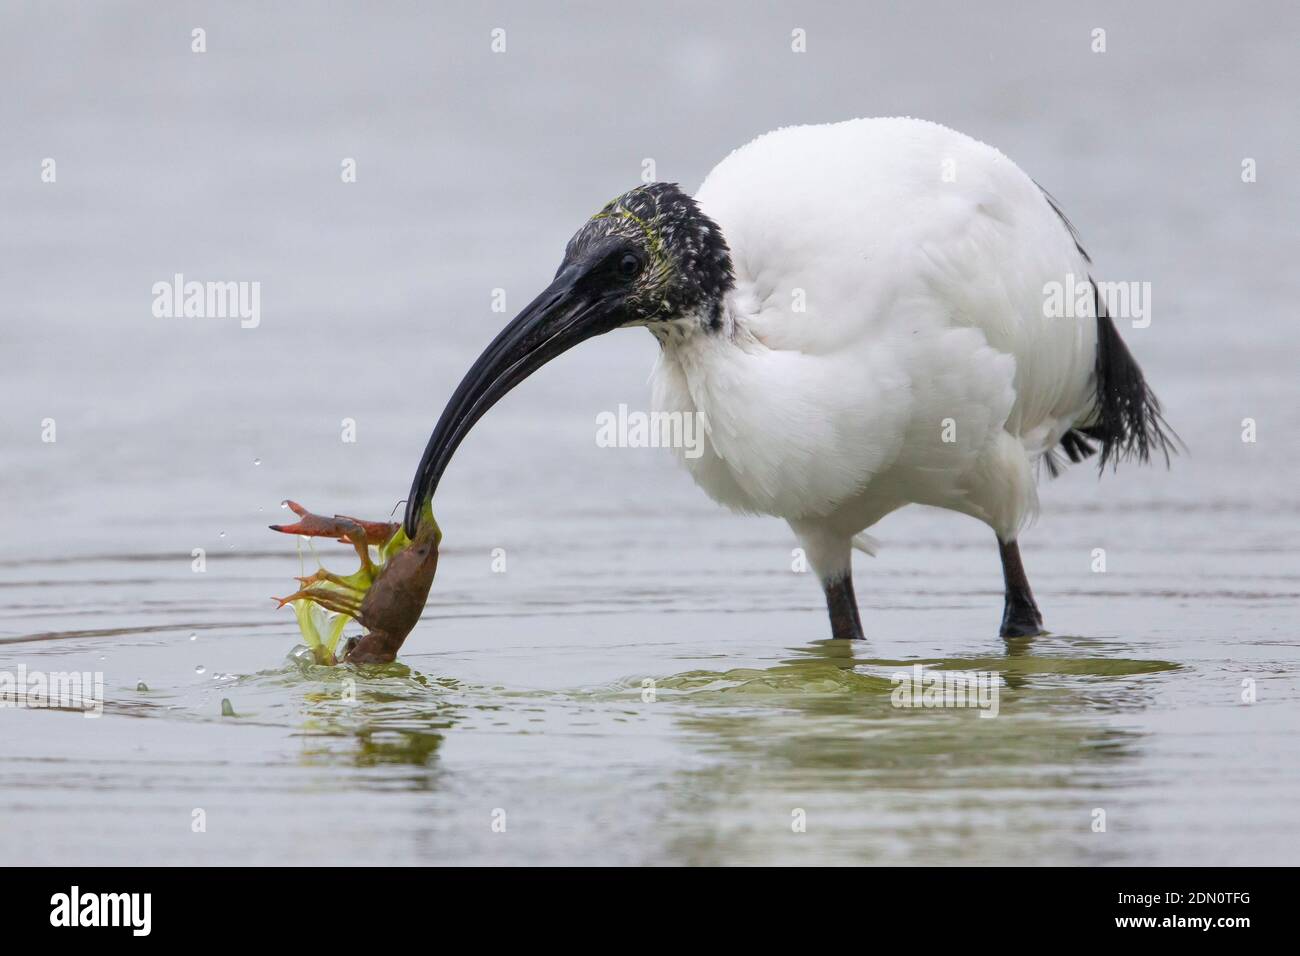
(843, 607)
(1020, 615)
(829, 551)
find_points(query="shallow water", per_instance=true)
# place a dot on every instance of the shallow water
(523, 695)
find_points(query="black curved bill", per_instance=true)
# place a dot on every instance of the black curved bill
(553, 323)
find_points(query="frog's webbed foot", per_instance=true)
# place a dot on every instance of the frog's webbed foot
(339, 602)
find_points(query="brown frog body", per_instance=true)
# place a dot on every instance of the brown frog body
(386, 599)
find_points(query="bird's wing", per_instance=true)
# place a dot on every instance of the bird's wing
(893, 233)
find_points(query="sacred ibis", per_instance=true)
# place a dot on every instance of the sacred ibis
(857, 313)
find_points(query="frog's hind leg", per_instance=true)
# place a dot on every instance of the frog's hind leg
(322, 575)
(355, 535)
(377, 533)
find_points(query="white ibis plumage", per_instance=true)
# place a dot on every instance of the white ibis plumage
(856, 313)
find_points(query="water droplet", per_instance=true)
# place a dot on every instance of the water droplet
(199, 668)
(221, 534)
(257, 461)
(193, 636)
(141, 686)
(284, 505)
(226, 709)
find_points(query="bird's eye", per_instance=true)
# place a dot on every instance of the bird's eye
(629, 265)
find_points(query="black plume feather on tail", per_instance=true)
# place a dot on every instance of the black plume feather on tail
(1126, 421)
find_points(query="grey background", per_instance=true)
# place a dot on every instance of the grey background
(474, 169)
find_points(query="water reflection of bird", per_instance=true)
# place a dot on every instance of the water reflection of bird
(860, 314)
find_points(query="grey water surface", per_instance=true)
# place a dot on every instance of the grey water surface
(647, 680)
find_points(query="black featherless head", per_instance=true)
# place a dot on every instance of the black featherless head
(675, 256)
(649, 257)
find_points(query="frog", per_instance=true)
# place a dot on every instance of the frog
(386, 595)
